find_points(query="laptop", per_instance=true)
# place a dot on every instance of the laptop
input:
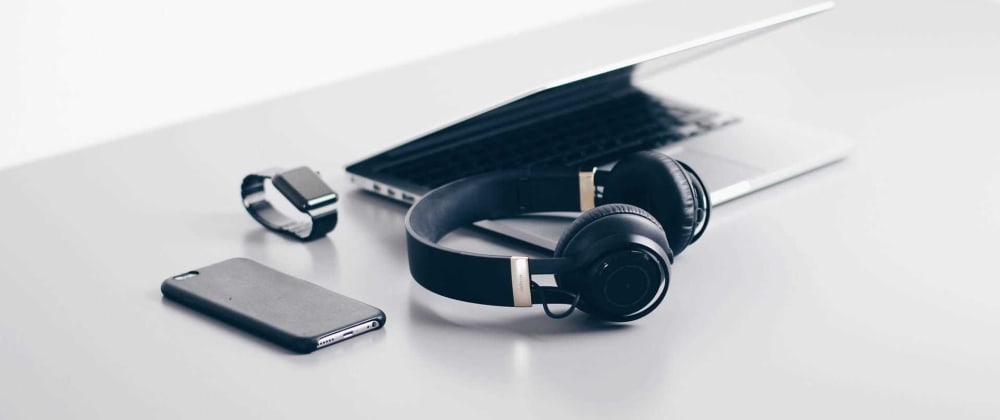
(576, 96)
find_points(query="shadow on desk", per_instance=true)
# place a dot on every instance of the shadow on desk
(530, 353)
(264, 344)
(534, 324)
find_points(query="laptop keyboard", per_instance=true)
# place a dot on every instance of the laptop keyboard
(585, 137)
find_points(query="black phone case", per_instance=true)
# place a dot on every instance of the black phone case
(286, 310)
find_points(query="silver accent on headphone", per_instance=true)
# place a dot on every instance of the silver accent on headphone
(587, 190)
(520, 281)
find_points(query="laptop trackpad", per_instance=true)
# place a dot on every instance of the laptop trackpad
(715, 171)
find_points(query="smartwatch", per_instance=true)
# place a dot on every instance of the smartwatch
(304, 189)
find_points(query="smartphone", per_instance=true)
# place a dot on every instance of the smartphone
(291, 312)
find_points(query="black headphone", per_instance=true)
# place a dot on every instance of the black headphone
(614, 260)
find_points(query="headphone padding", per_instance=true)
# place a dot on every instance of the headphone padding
(658, 184)
(595, 213)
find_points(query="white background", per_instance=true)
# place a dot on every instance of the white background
(76, 73)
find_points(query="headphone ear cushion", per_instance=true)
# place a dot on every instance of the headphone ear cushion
(660, 185)
(584, 241)
(595, 213)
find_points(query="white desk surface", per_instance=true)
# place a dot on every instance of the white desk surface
(865, 289)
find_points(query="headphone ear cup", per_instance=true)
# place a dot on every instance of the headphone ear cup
(610, 239)
(660, 185)
(599, 212)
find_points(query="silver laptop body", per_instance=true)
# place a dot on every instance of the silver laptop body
(735, 152)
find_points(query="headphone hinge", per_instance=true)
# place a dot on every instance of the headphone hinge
(600, 178)
(588, 190)
(520, 281)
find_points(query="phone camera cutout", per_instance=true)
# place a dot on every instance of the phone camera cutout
(186, 276)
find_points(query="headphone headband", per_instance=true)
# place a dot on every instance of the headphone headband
(491, 279)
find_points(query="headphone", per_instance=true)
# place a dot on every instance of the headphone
(612, 263)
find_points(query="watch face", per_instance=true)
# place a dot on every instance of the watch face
(304, 188)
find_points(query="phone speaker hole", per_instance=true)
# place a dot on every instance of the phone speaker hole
(331, 338)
